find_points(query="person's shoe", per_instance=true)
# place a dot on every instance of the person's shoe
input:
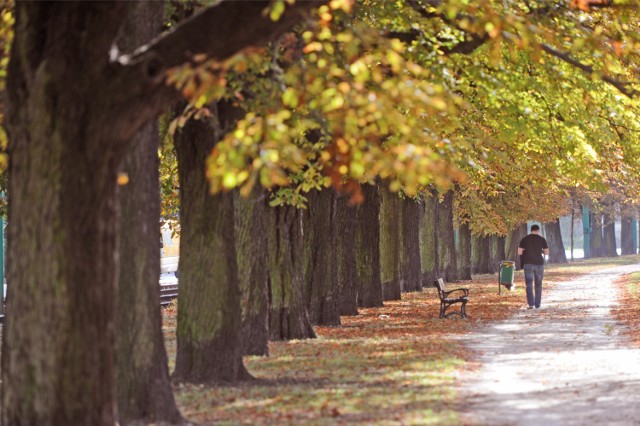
(530, 307)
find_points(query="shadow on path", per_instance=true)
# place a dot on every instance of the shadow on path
(565, 364)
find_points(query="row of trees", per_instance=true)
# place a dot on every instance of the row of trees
(449, 103)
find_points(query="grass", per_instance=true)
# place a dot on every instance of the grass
(398, 364)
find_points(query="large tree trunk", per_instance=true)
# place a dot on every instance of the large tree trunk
(368, 249)
(609, 234)
(512, 243)
(446, 241)
(321, 283)
(597, 239)
(288, 317)
(345, 228)
(497, 249)
(626, 237)
(429, 240)
(59, 346)
(481, 262)
(71, 111)
(554, 238)
(209, 315)
(251, 253)
(390, 225)
(464, 252)
(410, 269)
(144, 389)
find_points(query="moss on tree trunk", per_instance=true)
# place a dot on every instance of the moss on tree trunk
(390, 225)
(410, 269)
(252, 256)
(345, 228)
(321, 278)
(209, 315)
(288, 318)
(609, 234)
(447, 263)
(481, 255)
(144, 388)
(368, 249)
(429, 240)
(464, 252)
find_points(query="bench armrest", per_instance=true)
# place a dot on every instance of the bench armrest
(464, 290)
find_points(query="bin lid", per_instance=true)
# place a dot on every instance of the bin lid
(507, 263)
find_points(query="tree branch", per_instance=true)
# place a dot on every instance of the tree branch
(588, 69)
(219, 32)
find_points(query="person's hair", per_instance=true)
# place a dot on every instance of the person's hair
(535, 228)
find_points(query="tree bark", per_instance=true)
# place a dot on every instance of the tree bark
(410, 269)
(59, 346)
(554, 238)
(429, 240)
(370, 292)
(446, 242)
(144, 388)
(626, 238)
(345, 228)
(321, 283)
(609, 234)
(512, 243)
(288, 318)
(209, 315)
(464, 252)
(481, 262)
(497, 249)
(390, 225)
(71, 112)
(251, 253)
(597, 238)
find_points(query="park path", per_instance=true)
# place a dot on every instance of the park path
(565, 364)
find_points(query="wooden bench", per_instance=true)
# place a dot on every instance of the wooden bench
(446, 300)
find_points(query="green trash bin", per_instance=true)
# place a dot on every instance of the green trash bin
(505, 276)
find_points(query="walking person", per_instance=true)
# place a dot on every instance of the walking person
(531, 248)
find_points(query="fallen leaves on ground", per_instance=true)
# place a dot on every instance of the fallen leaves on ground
(627, 311)
(396, 364)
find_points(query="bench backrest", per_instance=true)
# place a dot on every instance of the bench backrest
(440, 286)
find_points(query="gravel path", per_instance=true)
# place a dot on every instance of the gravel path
(565, 364)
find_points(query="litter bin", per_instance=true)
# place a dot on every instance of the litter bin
(505, 275)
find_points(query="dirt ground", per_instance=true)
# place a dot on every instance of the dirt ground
(566, 364)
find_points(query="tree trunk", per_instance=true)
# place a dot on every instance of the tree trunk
(345, 228)
(390, 225)
(626, 238)
(321, 283)
(464, 252)
(144, 388)
(497, 249)
(251, 254)
(429, 240)
(368, 249)
(59, 346)
(446, 242)
(209, 315)
(481, 262)
(512, 242)
(288, 317)
(609, 234)
(410, 269)
(554, 238)
(597, 239)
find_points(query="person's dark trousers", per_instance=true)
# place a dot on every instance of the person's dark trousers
(533, 274)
